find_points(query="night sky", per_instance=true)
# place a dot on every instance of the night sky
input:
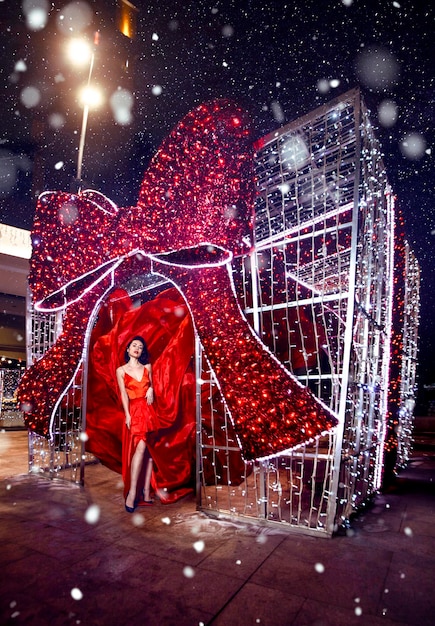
(279, 60)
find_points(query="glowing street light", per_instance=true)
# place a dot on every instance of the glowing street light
(79, 52)
(91, 97)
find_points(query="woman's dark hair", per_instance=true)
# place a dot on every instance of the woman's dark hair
(144, 357)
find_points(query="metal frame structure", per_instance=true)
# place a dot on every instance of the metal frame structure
(10, 415)
(63, 452)
(408, 374)
(318, 289)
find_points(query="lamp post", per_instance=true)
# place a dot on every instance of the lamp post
(80, 52)
(86, 104)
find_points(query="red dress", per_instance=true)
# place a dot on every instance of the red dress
(143, 417)
(171, 345)
(143, 421)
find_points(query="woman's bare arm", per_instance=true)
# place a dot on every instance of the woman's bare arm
(124, 397)
(150, 391)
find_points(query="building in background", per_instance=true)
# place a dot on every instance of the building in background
(15, 251)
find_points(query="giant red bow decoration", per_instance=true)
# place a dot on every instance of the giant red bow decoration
(193, 214)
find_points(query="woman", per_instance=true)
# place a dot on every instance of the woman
(137, 395)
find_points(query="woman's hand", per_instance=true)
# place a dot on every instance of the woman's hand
(150, 395)
(128, 421)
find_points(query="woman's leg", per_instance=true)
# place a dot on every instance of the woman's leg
(148, 472)
(136, 465)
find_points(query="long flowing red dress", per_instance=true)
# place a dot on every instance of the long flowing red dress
(164, 323)
(143, 421)
(166, 326)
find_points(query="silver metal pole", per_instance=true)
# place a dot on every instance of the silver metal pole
(84, 124)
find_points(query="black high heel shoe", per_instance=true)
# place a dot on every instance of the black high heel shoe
(130, 509)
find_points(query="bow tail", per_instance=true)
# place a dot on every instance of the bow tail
(270, 410)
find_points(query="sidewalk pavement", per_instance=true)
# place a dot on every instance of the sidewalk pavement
(72, 555)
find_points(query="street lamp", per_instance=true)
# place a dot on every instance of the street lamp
(81, 53)
(90, 97)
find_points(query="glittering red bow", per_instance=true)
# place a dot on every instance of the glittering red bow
(193, 213)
